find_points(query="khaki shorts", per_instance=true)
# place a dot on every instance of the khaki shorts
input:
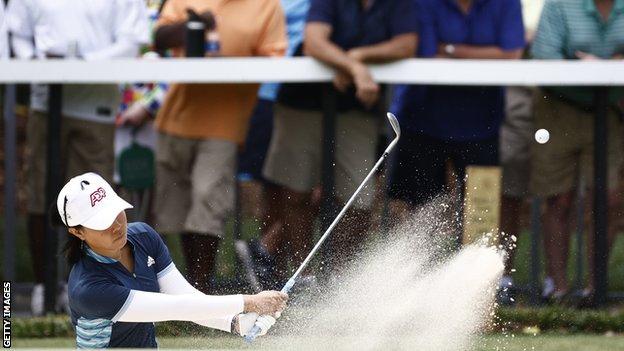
(295, 154)
(516, 137)
(558, 163)
(86, 146)
(194, 184)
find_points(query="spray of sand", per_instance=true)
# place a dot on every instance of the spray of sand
(406, 291)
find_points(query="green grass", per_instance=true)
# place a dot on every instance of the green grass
(547, 342)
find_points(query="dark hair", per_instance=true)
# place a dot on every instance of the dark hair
(73, 246)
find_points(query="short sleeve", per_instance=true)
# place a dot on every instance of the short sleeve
(100, 299)
(172, 12)
(550, 36)
(273, 41)
(511, 33)
(403, 19)
(322, 11)
(158, 250)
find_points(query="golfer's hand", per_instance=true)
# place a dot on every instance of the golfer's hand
(246, 321)
(266, 302)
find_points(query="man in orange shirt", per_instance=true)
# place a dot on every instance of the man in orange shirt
(201, 125)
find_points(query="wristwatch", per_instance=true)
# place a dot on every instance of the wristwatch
(449, 49)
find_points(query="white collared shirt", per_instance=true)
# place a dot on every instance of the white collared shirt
(91, 29)
(4, 38)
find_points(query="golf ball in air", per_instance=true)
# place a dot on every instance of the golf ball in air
(542, 136)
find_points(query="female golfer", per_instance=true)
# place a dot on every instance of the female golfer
(122, 278)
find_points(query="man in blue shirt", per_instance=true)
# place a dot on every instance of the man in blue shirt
(456, 122)
(267, 252)
(345, 34)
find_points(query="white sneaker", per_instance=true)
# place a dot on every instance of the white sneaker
(549, 287)
(62, 300)
(36, 300)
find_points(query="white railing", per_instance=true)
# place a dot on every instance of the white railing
(248, 70)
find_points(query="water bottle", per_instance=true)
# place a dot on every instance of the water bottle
(195, 35)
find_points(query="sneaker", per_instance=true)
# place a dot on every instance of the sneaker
(585, 299)
(549, 288)
(506, 294)
(264, 265)
(36, 300)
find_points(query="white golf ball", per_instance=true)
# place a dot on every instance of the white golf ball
(542, 136)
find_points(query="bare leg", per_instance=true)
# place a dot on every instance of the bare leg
(557, 238)
(510, 223)
(200, 251)
(349, 237)
(298, 224)
(273, 236)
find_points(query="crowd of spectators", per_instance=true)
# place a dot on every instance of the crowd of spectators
(203, 135)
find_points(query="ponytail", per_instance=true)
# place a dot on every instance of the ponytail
(72, 249)
(73, 246)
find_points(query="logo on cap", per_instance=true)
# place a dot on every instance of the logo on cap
(97, 196)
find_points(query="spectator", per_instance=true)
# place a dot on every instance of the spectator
(516, 137)
(87, 29)
(345, 34)
(201, 126)
(466, 130)
(4, 38)
(268, 251)
(139, 106)
(567, 112)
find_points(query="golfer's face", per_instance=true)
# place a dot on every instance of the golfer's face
(112, 238)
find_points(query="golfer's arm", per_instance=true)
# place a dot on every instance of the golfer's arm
(142, 307)
(171, 282)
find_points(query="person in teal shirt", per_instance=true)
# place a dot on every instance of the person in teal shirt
(573, 30)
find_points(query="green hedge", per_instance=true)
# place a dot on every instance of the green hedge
(555, 319)
(561, 319)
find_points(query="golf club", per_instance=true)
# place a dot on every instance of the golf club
(291, 282)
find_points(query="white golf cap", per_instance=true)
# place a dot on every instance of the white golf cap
(88, 200)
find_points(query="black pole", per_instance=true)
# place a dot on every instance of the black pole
(580, 231)
(328, 156)
(601, 96)
(53, 185)
(535, 251)
(10, 171)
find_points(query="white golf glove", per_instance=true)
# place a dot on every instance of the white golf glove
(246, 321)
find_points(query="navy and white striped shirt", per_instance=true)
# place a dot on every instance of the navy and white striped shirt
(100, 291)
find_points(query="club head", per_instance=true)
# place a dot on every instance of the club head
(394, 122)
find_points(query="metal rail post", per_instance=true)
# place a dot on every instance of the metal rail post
(601, 96)
(10, 182)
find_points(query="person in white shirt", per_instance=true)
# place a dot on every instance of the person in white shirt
(89, 30)
(4, 38)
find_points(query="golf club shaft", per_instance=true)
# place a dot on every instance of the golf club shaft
(292, 280)
(253, 333)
